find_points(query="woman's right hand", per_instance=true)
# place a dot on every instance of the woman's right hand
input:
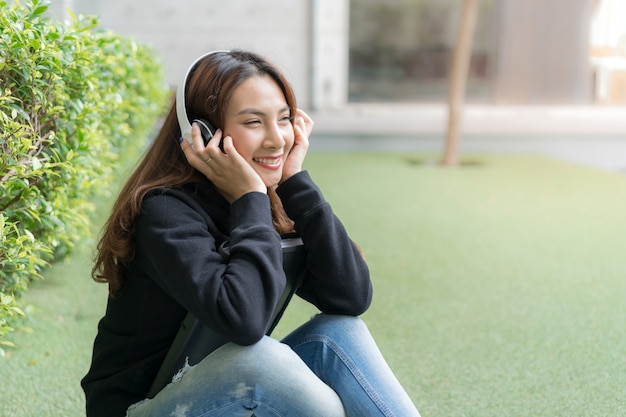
(227, 170)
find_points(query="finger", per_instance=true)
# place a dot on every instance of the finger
(299, 123)
(230, 151)
(194, 159)
(184, 145)
(187, 149)
(306, 120)
(302, 114)
(228, 145)
(215, 140)
(196, 138)
(302, 136)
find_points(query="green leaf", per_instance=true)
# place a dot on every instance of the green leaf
(40, 10)
(72, 110)
(18, 311)
(36, 163)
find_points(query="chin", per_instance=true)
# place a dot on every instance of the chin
(271, 184)
(272, 181)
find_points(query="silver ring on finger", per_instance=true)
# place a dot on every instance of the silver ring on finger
(208, 160)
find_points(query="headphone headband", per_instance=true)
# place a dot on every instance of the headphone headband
(181, 108)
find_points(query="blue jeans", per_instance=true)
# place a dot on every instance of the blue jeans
(328, 367)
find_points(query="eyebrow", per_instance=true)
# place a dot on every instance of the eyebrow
(258, 112)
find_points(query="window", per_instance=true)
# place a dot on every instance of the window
(401, 50)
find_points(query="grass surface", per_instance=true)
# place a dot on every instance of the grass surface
(499, 289)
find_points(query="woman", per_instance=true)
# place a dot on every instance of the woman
(159, 255)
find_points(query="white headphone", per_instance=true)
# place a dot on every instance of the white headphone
(181, 109)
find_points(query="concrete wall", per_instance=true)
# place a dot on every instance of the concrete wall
(540, 56)
(307, 39)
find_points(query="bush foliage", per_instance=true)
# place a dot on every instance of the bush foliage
(73, 99)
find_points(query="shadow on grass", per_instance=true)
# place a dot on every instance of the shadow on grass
(436, 163)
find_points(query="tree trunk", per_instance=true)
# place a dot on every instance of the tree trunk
(458, 80)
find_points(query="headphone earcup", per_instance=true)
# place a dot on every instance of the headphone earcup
(205, 129)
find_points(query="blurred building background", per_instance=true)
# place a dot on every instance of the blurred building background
(546, 76)
(337, 52)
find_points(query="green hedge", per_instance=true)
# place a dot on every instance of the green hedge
(73, 100)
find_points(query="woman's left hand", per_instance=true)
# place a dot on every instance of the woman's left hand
(302, 127)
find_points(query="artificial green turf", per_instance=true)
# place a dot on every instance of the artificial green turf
(499, 289)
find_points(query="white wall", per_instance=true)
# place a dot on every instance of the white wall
(608, 26)
(282, 30)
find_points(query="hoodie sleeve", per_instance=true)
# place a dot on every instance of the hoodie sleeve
(337, 280)
(176, 247)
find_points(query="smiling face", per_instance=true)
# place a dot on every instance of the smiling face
(258, 119)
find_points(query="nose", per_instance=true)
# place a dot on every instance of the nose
(274, 137)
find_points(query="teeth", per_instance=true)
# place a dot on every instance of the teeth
(267, 161)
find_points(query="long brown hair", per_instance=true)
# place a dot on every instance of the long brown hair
(208, 89)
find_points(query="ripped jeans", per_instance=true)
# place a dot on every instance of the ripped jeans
(328, 367)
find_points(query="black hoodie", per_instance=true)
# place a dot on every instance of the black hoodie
(177, 268)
